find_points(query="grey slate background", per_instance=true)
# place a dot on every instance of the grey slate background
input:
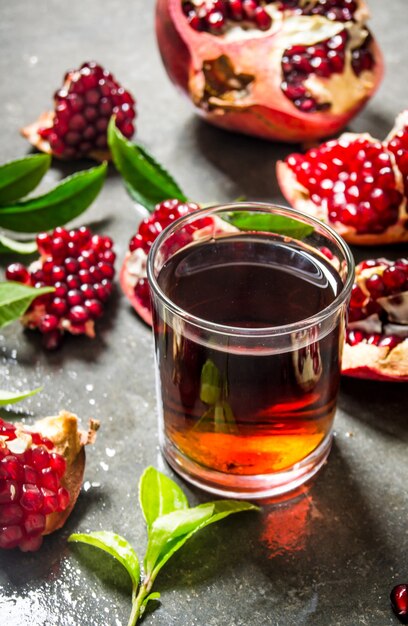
(328, 557)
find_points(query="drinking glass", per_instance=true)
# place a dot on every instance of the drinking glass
(249, 307)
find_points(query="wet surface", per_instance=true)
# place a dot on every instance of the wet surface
(328, 556)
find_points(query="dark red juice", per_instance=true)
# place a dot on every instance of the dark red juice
(247, 407)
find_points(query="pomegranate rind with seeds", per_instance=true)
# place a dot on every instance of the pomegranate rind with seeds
(41, 473)
(132, 270)
(376, 345)
(300, 196)
(235, 78)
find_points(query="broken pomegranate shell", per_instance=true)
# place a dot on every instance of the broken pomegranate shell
(41, 472)
(377, 331)
(356, 184)
(77, 127)
(285, 70)
(80, 267)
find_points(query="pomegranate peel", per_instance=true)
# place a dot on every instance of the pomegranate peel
(294, 74)
(354, 183)
(41, 472)
(376, 343)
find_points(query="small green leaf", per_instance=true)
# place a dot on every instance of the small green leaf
(146, 180)
(8, 397)
(220, 510)
(59, 206)
(152, 596)
(21, 247)
(116, 546)
(15, 299)
(159, 495)
(19, 177)
(171, 526)
(210, 383)
(265, 222)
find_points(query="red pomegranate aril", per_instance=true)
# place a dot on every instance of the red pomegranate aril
(94, 308)
(10, 514)
(18, 273)
(63, 499)
(78, 314)
(106, 269)
(48, 479)
(48, 323)
(399, 602)
(393, 278)
(34, 524)
(9, 490)
(10, 537)
(57, 307)
(10, 467)
(262, 18)
(31, 498)
(58, 464)
(30, 475)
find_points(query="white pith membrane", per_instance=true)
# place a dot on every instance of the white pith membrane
(367, 360)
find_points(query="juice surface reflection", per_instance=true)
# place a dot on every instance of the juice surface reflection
(241, 411)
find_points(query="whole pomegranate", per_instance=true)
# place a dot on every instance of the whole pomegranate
(77, 127)
(377, 331)
(41, 471)
(79, 265)
(357, 184)
(291, 70)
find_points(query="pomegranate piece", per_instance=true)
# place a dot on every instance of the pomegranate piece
(399, 602)
(41, 470)
(287, 70)
(355, 183)
(377, 332)
(79, 265)
(77, 127)
(133, 273)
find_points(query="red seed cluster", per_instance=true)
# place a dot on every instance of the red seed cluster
(30, 488)
(353, 180)
(336, 10)
(398, 145)
(214, 16)
(389, 282)
(83, 107)
(80, 266)
(164, 214)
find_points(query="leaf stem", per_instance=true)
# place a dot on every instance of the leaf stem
(137, 602)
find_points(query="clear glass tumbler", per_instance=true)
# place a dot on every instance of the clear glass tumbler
(249, 306)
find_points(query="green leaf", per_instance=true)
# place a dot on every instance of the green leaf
(9, 397)
(59, 206)
(264, 222)
(146, 180)
(210, 383)
(15, 299)
(18, 178)
(21, 247)
(116, 546)
(152, 596)
(220, 510)
(171, 526)
(159, 495)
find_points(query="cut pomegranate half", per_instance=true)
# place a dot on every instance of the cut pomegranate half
(77, 127)
(286, 70)
(355, 183)
(41, 471)
(80, 266)
(377, 332)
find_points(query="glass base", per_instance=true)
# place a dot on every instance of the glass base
(248, 487)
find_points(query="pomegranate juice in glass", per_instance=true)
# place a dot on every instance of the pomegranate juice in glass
(249, 305)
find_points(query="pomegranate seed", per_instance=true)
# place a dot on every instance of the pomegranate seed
(78, 314)
(18, 273)
(394, 278)
(10, 514)
(375, 285)
(10, 537)
(399, 601)
(31, 498)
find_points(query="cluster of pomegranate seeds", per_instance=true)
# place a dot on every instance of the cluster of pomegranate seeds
(336, 10)
(298, 62)
(30, 486)
(398, 145)
(164, 214)
(385, 279)
(80, 266)
(83, 107)
(399, 602)
(213, 15)
(353, 179)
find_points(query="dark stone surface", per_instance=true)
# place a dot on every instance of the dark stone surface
(329, 556)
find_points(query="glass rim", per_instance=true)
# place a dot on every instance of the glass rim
(240, 331)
